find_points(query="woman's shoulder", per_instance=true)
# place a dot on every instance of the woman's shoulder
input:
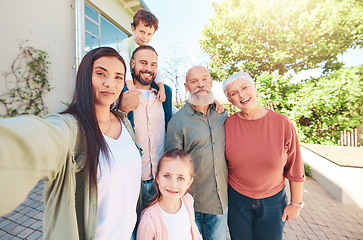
(231, 118)
(65, 121)
(124, 119)
(67, 117)
(278, 116)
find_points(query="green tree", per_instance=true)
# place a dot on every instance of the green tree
(320, 108)
(324, 107)
(280, 35)
(275, 92)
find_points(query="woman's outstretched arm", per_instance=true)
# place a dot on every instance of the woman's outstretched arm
(32, 149)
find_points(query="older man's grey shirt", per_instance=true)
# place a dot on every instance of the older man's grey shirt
(203, 137)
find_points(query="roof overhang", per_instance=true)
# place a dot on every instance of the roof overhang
(134, 5)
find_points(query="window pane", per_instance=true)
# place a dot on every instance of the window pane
(91, 27)
(90, 12)
(91, 42)
(111, 36)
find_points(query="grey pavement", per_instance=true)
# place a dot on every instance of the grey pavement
(25, 222)
(323, 217)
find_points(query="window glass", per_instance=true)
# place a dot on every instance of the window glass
(111, 35)
(103, 33)
(91, 42)
(91, 27)
(91, 13)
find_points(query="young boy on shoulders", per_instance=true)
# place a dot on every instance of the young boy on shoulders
(143, 28)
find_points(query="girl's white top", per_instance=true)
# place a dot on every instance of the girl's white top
(178, 224)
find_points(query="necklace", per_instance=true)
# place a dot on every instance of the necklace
(109, 127)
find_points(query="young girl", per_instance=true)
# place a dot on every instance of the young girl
(170, 212)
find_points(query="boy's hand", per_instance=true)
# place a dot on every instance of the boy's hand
(161, 93)
(219, 107)
(130, 101)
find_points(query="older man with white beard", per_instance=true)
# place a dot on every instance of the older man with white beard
(199, 130)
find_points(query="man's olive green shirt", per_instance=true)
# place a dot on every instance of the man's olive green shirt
(203, 137)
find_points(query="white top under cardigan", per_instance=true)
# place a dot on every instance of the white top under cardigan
(118, 184)
(178, 224)
(152, 223)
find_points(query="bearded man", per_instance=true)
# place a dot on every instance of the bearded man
(199, 130)
(149, 115)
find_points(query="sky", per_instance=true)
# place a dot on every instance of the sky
(180, 22)
(180, 26)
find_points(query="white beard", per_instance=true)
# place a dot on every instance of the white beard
(203, 98)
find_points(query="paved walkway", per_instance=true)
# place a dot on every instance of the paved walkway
(323, 217)
(25, 222)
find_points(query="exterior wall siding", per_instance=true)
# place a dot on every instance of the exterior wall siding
(50, 26)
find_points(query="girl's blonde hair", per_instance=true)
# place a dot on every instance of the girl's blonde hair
(174, 153)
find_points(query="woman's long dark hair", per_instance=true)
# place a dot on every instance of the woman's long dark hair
(82, 108)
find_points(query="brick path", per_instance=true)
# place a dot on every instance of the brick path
(323, 217)
(25, 222)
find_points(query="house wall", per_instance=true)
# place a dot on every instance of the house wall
(46, 25)
(50, 26)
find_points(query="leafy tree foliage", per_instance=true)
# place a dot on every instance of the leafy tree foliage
(320, 108)
(275, 92)
(280, 35)
(324, 107)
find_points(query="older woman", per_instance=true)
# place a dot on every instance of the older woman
(262, 150)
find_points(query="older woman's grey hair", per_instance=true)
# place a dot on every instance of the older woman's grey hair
(234, 77)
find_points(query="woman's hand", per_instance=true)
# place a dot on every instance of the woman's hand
(290, 212)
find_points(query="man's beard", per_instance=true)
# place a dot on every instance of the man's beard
(201, 99)
(143, 81)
